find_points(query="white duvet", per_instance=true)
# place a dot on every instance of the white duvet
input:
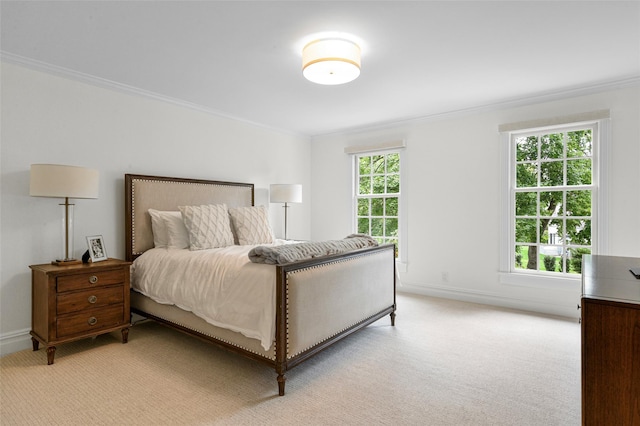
(222, 286)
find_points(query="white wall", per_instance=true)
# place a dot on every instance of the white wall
(453, 189)
(453, 184)
(49, 119)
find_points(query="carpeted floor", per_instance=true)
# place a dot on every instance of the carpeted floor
(445, 363)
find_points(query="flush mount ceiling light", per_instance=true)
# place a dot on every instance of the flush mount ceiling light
(331, 61)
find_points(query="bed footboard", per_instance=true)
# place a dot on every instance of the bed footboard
(324, 300)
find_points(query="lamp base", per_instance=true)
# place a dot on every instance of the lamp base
(66, 262)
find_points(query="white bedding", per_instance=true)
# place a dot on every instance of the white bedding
(222, 286)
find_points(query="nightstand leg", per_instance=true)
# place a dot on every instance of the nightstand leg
(125, 335)
(51, 353)
(35, 343)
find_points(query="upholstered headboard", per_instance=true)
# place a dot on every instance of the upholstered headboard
(166, 193)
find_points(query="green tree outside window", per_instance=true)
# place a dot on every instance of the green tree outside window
(378, 178)
(552, 200)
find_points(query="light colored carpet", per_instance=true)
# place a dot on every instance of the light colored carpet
(445, 363)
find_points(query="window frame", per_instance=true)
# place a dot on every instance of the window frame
(402, 236)
(599, 206)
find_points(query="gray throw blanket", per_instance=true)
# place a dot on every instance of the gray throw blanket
(278, 255)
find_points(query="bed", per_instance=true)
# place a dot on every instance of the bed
(317, 301)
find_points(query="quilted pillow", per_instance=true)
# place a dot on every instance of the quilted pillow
(208, 226)
(251, 225)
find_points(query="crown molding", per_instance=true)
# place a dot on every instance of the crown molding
(505, 104)
(126, 89)
(508, 103)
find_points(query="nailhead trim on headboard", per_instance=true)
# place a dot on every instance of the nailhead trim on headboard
(228, 192)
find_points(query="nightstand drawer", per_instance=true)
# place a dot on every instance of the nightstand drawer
(89, 321)
(89, 299)
(89, 280)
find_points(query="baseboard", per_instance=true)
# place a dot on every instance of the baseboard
(21, 340)
(15, 341)
(485, 298)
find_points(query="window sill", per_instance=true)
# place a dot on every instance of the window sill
(540, 281)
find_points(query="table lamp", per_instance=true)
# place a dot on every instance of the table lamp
(285, 193)
(57, 181)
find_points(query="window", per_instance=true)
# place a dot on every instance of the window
(553, 199)
(377, 196)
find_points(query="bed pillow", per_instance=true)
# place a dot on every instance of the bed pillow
(159, 229)
(177, 235)
(252, 225)
(208, 226)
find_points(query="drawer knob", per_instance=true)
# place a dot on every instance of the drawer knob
(93, 299)
(93, 279)
(92, 321)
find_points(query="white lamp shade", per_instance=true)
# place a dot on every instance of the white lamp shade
(285, 193)
(57, 181)
(331, 61)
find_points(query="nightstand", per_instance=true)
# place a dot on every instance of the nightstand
(78, 301)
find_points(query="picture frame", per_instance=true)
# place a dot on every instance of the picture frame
(97, 248)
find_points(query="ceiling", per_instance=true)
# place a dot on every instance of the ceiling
(242, 59)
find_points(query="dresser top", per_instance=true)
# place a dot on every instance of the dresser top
(608, 278)
(79, 267)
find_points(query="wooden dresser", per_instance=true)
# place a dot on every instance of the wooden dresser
(78, 301)
(610, 341)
